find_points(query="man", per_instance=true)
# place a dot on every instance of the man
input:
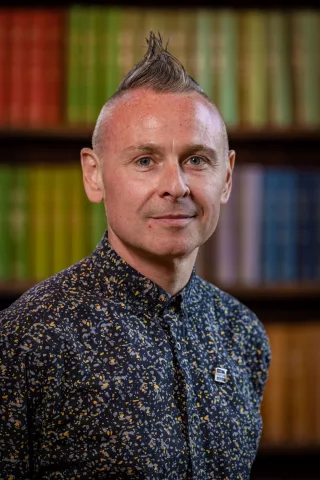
(127, 364)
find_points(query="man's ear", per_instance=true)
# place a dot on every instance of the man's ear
(92, 175)
(228, 182)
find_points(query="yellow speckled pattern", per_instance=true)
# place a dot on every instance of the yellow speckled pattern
(105, 375)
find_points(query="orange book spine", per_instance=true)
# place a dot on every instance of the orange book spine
(54, 68)
(36, 70)
(302, 380)
(20, 37)
(316, 381)
(4, 62)
(276, 396)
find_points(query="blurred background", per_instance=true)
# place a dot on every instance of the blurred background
(260, 64)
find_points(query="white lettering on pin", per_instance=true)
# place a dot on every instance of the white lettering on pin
(220, 375)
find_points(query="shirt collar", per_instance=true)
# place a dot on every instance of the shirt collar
(121, 282)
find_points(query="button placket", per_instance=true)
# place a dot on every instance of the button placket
(172, 322)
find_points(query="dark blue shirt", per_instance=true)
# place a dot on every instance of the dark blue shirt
(106, 375)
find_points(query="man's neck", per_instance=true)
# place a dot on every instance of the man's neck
(170, 274)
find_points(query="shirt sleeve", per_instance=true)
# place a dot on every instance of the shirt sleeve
(14, 431)
(258, 357)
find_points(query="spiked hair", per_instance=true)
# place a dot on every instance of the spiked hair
(159, 71)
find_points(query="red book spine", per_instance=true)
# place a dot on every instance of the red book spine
(54, 66)
(37, 65)
(20, 36)
(4, 65)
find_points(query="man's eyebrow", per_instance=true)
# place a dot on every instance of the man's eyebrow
(144, 148)
(155, 148)
(196, 148)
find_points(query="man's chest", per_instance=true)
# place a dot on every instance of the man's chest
(147, 399)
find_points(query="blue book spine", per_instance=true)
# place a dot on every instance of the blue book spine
(279, 236)
(315, 226)
(306, 226)
(270, 251)
(289, 254)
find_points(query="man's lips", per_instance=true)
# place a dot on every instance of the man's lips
(173, 220)
(170, 216)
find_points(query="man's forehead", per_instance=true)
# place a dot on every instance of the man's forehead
(146, 99)
(150, 109)
(141, 113)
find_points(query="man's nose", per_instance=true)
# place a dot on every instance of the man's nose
(173, 181)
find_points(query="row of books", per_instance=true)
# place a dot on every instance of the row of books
(60, 66)
(46, 221)
(269, 231)
(290, 407)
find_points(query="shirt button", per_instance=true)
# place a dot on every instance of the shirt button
(178, 346)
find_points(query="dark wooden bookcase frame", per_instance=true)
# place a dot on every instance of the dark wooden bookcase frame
(292, 146)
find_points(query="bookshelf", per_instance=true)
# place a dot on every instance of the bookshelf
(291, 146)
(272, 146)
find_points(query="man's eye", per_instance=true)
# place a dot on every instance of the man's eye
(144, 161)
(196, 161)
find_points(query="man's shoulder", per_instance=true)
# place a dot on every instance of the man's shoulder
(221, 299)
(46, 301)
(230, 311)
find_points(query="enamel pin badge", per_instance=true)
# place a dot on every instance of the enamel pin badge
(220, 375)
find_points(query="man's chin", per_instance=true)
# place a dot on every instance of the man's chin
(171, 250)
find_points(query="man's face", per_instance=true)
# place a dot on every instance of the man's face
(164, 172)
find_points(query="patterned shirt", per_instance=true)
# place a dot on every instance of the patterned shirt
(106, 375)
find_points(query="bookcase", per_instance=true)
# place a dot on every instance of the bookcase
(268, 91)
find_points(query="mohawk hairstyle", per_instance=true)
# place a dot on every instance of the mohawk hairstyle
(159, 71)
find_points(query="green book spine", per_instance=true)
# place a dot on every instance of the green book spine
(101, 53)
(84, 64)
(139, 42)
(97, 223)
(312, 28)
(41, 232)
(206, 51)
(132, 40)
(165, 23)
(77, 202)
(152, 20)
(227, 73)
(113, 67)
(306, 66)
(91, 60)
(60, 219)
(20, 224)
(279, 69)
(258, 106)
(178, 32)
(188, 22)
(253, 68)
(243, 67)
(73, 64)
(6, 180)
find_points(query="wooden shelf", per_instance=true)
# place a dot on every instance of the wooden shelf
(84, 132)
(271, 450)
(286, 463)
(62, 132)
(14, 288)
(302, 291)
(271, 133)
(295, 146)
